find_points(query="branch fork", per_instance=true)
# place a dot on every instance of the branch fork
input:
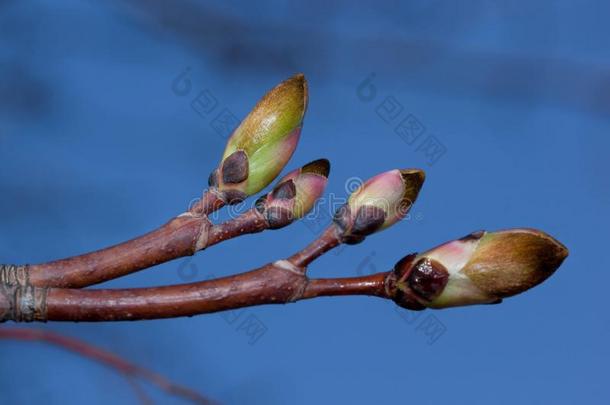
(482, 268)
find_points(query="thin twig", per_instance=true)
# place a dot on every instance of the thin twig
(271, 284)
(182, 236)
(111, 360)
(142, 395)
(281, 282)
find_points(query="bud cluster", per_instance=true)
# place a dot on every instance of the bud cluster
(482, 268)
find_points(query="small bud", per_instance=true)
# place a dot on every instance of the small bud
(264, 142)
(379, 203)
(295, 194)
(481, 268)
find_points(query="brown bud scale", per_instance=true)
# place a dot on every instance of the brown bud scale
(474, 236)
(368, 219)
(285, 191)
(234, 196)
(260, 204)
(428, 278)
(278, 217)
(398, 290)
(213, 179)
(342, 217)
(235, 168)
(320, 167)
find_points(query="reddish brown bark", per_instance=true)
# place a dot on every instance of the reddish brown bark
(327, 241)
(277, 283)
(267, 285)
(175, 239)
(211, 201)
(374, 285)
(182, 236)
(271, 284)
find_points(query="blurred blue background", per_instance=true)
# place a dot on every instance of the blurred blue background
(504, 104)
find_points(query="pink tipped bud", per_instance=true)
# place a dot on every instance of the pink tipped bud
(481, 268)
(379, 203)
(295, 194)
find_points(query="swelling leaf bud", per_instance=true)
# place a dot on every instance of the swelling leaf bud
(481, 268)
(378, 204)
(295, 194)
(264, 142)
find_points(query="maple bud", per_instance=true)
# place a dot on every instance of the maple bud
(264, 142)
(481, 268)
(295, 194)
(379, 203)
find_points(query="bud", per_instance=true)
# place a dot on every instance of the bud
(295, 194)
(379, 203)
(263, 143)
(481, 268)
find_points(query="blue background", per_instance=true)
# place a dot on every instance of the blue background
(96, 147)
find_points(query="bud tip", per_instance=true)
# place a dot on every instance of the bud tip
(320, 167)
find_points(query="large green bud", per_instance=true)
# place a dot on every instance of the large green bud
(263, 143)
(481, 268)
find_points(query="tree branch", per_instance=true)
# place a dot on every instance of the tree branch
(108, 359)
(271, 284)
(373, 285)
(280, 282)
(182, 236)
